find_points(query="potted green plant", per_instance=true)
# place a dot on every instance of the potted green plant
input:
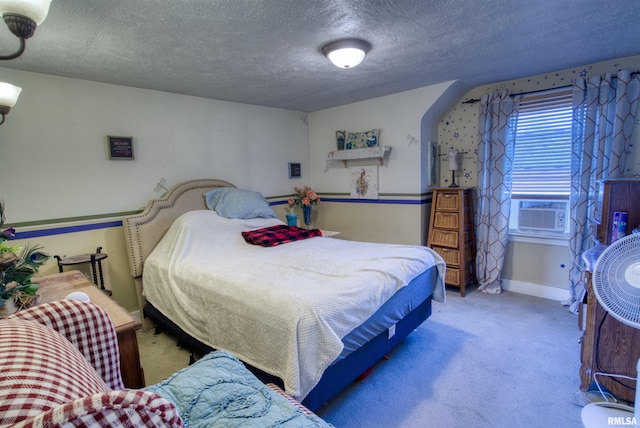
(17, 266)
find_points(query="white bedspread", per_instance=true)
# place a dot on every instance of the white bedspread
(282, 309)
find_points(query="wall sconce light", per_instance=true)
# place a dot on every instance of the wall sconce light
(8, 97)
(346, 53)
(23, 17)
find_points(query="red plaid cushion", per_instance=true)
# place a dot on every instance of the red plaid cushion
(88, 327)
(46, 382)
(127, 408)
(279, 234)
(40, 370)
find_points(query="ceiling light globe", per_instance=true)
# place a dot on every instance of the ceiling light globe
(9, 94)
(36, 10)
(347, 57)
(346, 53)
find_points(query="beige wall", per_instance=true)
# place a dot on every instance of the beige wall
(54, 162)
(538, 269)
(375, 222)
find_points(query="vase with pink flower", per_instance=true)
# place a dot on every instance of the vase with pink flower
(305, 198)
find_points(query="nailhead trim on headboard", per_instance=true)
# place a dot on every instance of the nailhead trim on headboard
(143, 231)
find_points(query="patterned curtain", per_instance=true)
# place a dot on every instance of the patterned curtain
(604, 111)
(498, 113)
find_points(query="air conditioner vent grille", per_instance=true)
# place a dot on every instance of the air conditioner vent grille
(547, 216)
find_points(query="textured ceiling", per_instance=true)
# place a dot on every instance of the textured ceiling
(267, 52)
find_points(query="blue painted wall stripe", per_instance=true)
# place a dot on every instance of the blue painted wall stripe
(67, 229)
(117, 223)
(370, 201)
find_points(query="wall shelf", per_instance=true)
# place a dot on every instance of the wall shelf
(345, 156)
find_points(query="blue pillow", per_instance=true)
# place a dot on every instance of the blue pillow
(230, 202)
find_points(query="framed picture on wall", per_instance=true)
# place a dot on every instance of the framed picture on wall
(295, 171)
(432, 164)
(120, 148)
(364, 182)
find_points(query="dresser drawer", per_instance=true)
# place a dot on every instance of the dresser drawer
(452, 276)
(448, 201)
(451, 256)
(447, 220)
(445, 238)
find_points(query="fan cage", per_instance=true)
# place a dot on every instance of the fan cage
(612, 290)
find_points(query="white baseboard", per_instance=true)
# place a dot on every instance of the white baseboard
(537, 290)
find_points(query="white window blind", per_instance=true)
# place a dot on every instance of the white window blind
(542, 158)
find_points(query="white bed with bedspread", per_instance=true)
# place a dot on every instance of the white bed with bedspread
(290, 310)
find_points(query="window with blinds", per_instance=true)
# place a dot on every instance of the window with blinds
(542, 158)
(541, 179)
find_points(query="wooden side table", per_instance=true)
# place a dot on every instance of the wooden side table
(57, 286)
(95, 259)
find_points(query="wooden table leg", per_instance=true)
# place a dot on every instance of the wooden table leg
(132, 373)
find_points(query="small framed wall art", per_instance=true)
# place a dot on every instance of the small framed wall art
(432, 164)
(120, 148)
(364, 182)
(295, 171)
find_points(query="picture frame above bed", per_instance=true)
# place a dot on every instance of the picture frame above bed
(295, 171)
(120, 148)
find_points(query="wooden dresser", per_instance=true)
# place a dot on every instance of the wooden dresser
(608, 345)
(452, 234)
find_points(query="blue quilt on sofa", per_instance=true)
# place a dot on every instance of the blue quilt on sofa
(219, 391)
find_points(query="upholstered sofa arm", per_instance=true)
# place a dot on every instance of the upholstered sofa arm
(117, 409)
(89, 329)
(45, 381)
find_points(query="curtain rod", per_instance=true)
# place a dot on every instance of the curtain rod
(475, 100)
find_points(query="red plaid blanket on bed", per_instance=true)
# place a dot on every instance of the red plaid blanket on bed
(279, 234)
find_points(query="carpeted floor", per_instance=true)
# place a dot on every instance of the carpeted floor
(506, 360)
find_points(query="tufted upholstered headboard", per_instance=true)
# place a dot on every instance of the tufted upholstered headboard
(143, 231)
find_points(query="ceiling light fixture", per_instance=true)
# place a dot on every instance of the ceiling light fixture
(8, 97)
(346, 53)
(23, 17)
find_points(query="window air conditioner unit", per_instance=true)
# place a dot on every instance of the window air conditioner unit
(543, 216)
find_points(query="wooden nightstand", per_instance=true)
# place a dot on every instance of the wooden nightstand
(56, 287)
